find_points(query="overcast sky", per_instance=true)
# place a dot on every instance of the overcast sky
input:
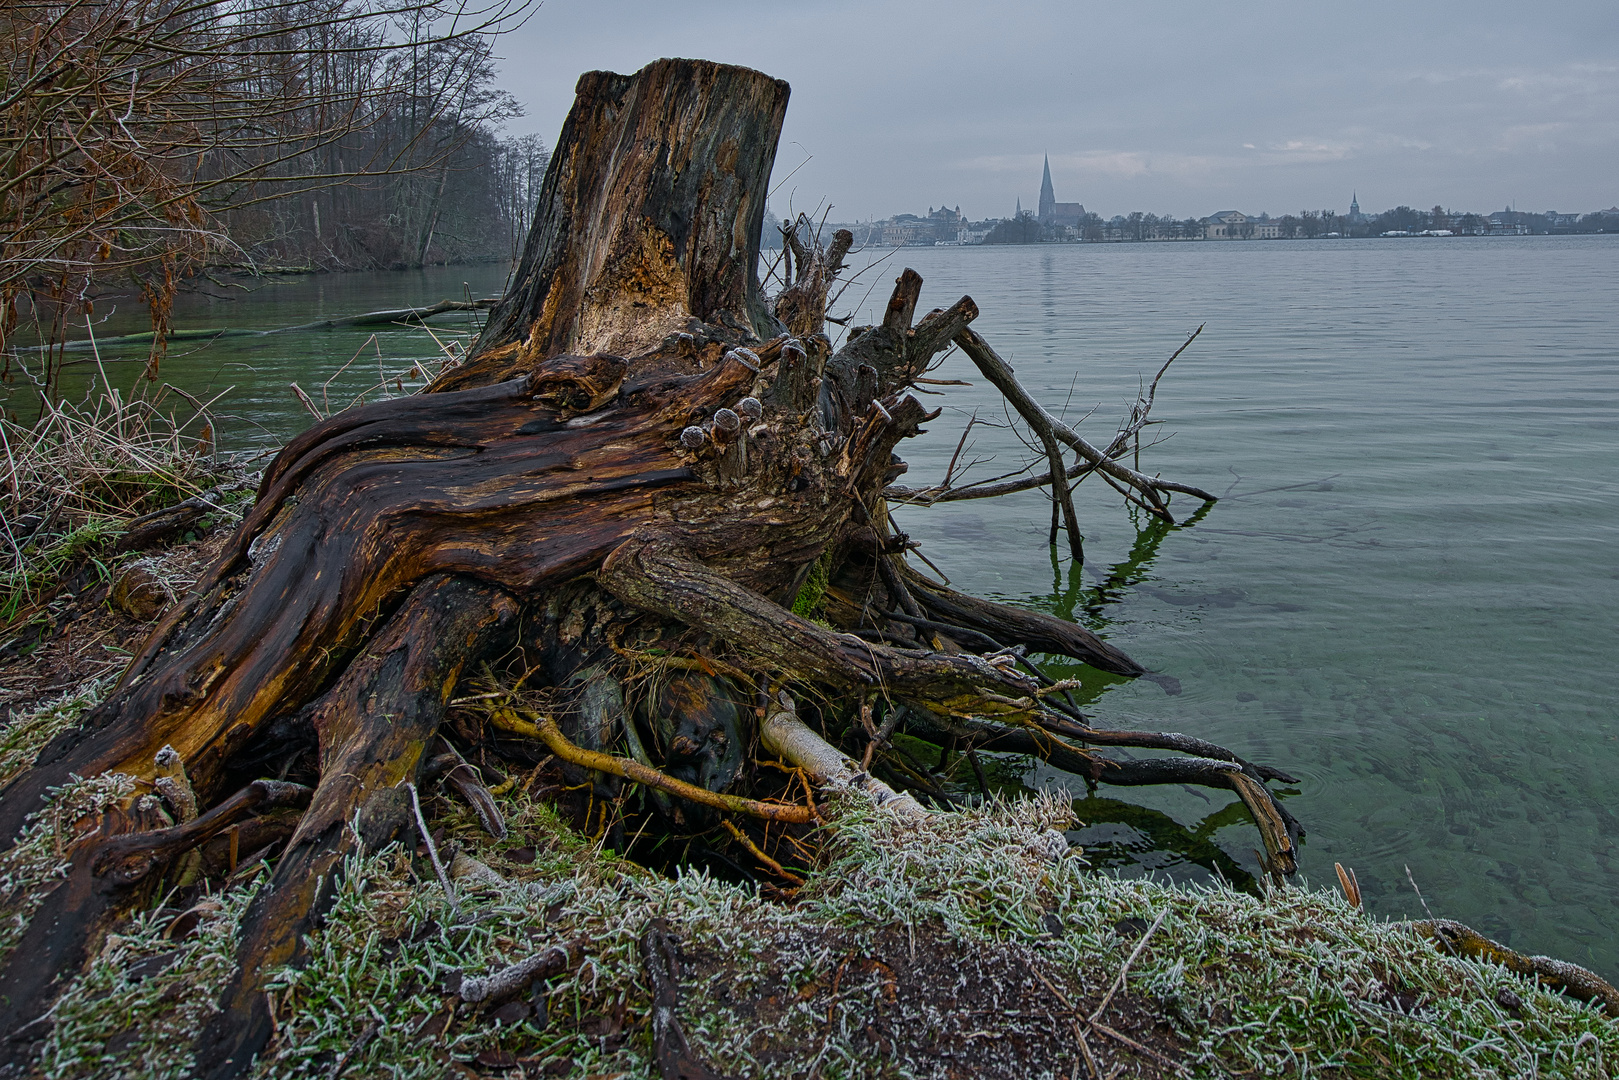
(1154, 105)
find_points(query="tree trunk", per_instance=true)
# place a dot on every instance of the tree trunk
(648, 222)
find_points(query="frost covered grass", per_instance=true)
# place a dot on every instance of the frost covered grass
(39, 857)
(26, 733)
(1296, 983)
(137, 1011)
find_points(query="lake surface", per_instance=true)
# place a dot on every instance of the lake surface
(1407, 597)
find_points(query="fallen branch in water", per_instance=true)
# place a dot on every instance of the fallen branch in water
(1152, 489)
(369, 318)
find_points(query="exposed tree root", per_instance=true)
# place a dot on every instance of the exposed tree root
(1577, 982)
(373, 727)
(669, 1045)
(108, 873)
(545, 729)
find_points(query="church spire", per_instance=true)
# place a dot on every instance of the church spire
(1048, 196)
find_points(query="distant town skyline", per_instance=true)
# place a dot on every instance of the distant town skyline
(1179, 107)
(1047, 209)
(1054, 221)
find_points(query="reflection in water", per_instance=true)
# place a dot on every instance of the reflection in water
(1122, 836)
(1070, 599)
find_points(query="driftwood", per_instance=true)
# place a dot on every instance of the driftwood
(640, 469)
(1456, 939)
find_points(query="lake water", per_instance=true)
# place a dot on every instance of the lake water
(1407, 597)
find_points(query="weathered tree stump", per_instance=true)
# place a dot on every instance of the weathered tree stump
(638, 449)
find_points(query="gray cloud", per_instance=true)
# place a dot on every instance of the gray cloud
(1165, 106)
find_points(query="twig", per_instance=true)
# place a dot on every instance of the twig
(432, 849)
(1418, 891)
(770, 864)
(342, 1063)
(1137, 1047)
(1073, 1016)
(303, 399)
(951, 470)
(1125, 970)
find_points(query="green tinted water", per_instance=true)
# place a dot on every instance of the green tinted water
(261, 410)
(1407, 598)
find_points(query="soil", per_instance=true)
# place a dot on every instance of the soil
(934, 1006)
(947, 1009)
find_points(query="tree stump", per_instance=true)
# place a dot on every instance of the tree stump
(636, 450)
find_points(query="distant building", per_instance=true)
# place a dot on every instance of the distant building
(1053, 212)
(942, 225)
(1235, 225)
(905, 230)
(1355, 216)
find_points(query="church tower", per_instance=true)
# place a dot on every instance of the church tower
(1048, 196)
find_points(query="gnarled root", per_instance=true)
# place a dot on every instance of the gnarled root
(106, 877)
(373, 726)
(654, 573)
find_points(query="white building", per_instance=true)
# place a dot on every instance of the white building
(1235, 225)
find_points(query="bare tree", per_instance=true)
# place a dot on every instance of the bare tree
(140, 139)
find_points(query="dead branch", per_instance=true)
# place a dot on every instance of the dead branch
(509, 981)
(1151, 489)
(545, 729)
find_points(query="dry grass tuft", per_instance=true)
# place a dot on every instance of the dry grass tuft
(76, 478)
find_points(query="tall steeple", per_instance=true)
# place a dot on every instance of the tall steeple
(1048, 196)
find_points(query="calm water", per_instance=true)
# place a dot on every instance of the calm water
(332, 366)
(1407, 599)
